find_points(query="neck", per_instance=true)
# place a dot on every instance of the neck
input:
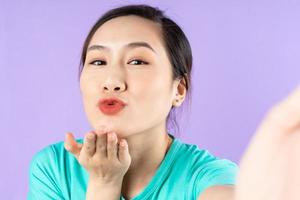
(147, 150)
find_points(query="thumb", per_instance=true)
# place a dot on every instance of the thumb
(71, 145)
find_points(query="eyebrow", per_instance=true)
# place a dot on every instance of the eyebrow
(131, 45)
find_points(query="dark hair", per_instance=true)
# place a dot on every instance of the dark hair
(175, 42)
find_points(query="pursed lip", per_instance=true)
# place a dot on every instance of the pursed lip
(111, 106)
(111, 100)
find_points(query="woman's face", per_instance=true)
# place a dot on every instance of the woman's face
(136, 74)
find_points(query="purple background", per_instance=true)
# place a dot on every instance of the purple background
(246, 58)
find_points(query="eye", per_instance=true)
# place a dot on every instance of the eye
(139, 61)
(98, 62)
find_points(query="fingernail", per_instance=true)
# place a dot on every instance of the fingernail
(90, 135)
(112, 135)
(123, 143)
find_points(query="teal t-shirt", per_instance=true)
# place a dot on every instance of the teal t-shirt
(183, 174)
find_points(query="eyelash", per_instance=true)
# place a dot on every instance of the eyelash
(145, 63)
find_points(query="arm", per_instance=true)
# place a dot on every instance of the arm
(269, 168)
(218, 192)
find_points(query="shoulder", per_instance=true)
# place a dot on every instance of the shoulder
(206, 170)
(43, 156)
(51, 170)
(200, 159)
(50, 156)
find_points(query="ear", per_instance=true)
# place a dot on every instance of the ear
(180, 92)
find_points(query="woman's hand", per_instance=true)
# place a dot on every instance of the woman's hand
(100, 154)
(270, 167)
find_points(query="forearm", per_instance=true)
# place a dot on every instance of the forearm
(218, 192)
(100, 191)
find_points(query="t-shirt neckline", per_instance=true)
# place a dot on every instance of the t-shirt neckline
(160, 172)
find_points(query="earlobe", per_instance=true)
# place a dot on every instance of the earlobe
(176, 101)
(180, 93)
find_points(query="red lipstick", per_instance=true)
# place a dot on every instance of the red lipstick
(111, 106)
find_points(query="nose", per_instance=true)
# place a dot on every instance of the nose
(113, 84)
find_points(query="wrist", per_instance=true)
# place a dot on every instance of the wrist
(115, 183)
(98, 189)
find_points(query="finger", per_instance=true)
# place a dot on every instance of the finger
(123, 152)
(112, 146)
(89, 144)
(71, 145)
(101, 146)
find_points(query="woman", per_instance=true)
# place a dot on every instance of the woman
(135, 70)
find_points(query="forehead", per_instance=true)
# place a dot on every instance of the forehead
(120, 31)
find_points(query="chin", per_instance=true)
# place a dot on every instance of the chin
(123, 128)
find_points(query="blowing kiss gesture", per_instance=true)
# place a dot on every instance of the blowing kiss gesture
(105, 160)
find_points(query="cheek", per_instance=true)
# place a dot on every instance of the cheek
(83, 82)
(152, 90)
(89, 92)
(88, 84)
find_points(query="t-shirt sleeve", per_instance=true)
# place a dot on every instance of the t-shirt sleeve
(216, 172)
(43, 178)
